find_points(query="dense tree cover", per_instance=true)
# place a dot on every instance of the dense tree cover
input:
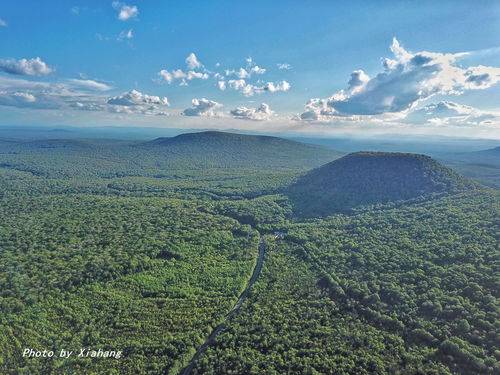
(409, 290)
(145, 247)
(210, 184)
(110, 159)
(266, 213)
(363, 178)
(148, 276)
(291, 325)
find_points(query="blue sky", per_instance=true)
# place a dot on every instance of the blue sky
(262, 65)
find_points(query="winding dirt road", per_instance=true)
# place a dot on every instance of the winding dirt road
(262, 249)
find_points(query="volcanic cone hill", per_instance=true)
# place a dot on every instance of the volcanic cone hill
(365, 178)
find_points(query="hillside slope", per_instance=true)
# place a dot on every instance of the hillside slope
(112, 158)
(363, 178)
(220, 149)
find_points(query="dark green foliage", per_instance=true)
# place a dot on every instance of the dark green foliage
(145, 247)
(411, 290)
(148, 276)
(369, 178)
(110, 159)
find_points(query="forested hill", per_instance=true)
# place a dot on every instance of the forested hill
(114, 158)
(363, 178)
(215, 148)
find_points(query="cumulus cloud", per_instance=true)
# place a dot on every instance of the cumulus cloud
(125, 11)
(202, 107)
(273, 87)
(248, 89)
(93, 107)
(227, 79)
(192, 62)
(407, 79)
(316, 109)
(132, 102)
(76, 94)
(242, 86)
(196, 71)
(170, 76)
(134, 97)
(24, 93)
(31, 67)
(284, 66)
(3, 23)
(449, 113)
(89, 84)
(243, 73)
(16, 99)
(257, 70)
(263, 112)
(221, 85)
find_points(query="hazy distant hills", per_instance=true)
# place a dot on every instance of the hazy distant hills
(363, 178)
(488, 157)
(483, 166)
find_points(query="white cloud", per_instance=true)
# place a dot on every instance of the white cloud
(166, 75)
(192, 62)
(125, 35)
(406, 80)
(22, 93)
(316, 109)
(449, 113)
(16, 99)
(263, 112)
(240, 85)
(134, 97)
(169, 77)
(203, 107)
(221, 85)
(125, 12)
(75, 10)
(93, 107)
(248, 89)
(198, 75)
(76, 94)
(3, 23)
(284, 66)
(243, 73)
(280, 86)
(32, 67)
(89, 84)
(257, 70)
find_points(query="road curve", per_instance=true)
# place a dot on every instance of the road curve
(262, 249)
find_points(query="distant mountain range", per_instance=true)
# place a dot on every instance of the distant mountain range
(483, 166)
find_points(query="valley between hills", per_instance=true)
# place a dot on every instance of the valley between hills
(375, 262)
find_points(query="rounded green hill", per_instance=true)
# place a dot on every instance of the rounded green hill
(365, 178)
